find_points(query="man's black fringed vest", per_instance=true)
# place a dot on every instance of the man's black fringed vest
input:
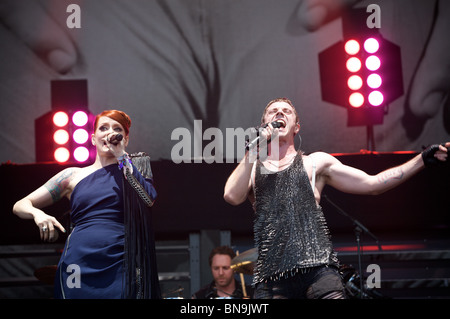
(290, 230)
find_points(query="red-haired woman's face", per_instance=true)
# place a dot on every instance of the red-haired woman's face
(106, 127)
(116, 115)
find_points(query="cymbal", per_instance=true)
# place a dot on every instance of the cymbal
(46, 274)
(245, 262)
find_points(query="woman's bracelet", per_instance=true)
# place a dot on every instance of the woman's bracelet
(124, 160)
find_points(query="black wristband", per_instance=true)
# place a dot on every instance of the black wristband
(428, 156)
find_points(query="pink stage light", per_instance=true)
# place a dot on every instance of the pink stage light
(81, 154)
(80, 118)
(61, 137)
(80, 136)
(373, 63)
(353, 64)
(60, 119)
(371, 45)
(352, 47)
(376, 98)
(355, 82)
(374, 81)
(356, 99)
(61, 154)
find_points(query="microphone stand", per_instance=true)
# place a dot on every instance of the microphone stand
(359, 229)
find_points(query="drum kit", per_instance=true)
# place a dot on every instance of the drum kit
(242, 264)
(245, 263)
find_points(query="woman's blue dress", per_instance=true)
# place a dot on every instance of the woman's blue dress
(91, 265)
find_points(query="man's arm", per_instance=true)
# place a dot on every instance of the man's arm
(238, 185)
(355, 181)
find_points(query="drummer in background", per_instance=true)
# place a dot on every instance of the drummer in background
(224, 284)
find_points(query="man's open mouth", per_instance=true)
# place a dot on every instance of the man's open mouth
(282, 122)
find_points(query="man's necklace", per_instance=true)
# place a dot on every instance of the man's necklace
(278, 165)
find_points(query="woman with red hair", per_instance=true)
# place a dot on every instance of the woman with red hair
(110, 251)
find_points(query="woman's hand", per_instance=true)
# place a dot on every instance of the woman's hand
(117, 148)
(48, 226)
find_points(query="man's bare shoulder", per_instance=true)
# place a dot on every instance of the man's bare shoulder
(323, 161)
(321, 157)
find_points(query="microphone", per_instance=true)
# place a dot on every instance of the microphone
(115, 139)
(275, 124)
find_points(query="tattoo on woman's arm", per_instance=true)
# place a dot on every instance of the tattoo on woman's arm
(56, 185)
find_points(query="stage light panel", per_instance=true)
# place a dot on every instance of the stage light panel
(60, 131)
(366, 54)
